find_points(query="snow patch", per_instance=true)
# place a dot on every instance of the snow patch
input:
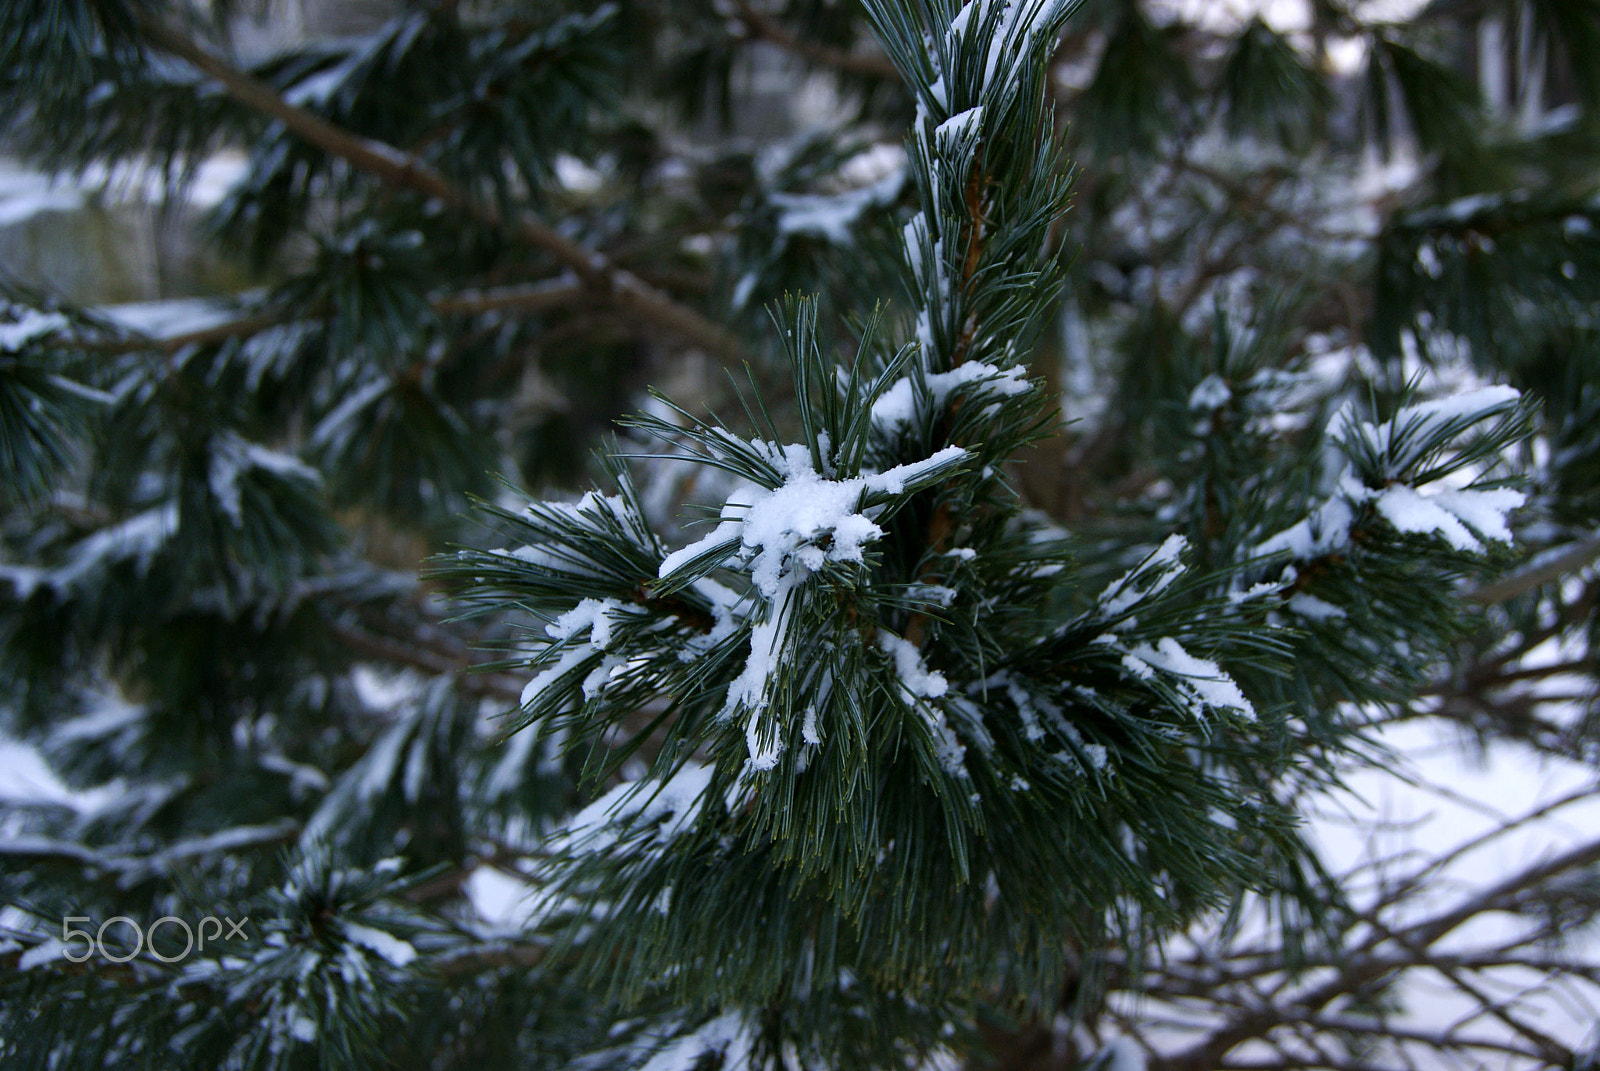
(1146, 580)
(1462, 517)
(595, 616)
(808, 728)
(1401, 439)
(1015, 24)
(233, 457)
(1210, 393)
(1314, 609)
(49, 950)
(1202, 682)
(915, 676)
(782, 536)
(29, 326)
(833, 217)
(898, 404)
(953, 129)
(1325, 529)
(138, 538)
(726, 1041)
(301, 1027)
(397, 952)
(1122, 1054)
(675, 803)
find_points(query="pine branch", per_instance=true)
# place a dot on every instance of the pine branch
(1547, 569)
(405, 171)
(1566, 620)
(490, 956)
(429, 659)
(129, 869)
(541, 296)
(1297, 1063)
(766, 28)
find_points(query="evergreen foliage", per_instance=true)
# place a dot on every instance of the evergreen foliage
(868, 712)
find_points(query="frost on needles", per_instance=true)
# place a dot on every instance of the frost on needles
(893, 742)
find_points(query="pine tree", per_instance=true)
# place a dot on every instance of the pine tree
(862, 713)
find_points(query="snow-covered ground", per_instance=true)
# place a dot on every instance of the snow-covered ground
(1492, 814)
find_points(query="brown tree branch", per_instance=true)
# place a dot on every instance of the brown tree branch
(1538, 574)
(429, 659)
(764, 27)
(405, 171)
(539, 296)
